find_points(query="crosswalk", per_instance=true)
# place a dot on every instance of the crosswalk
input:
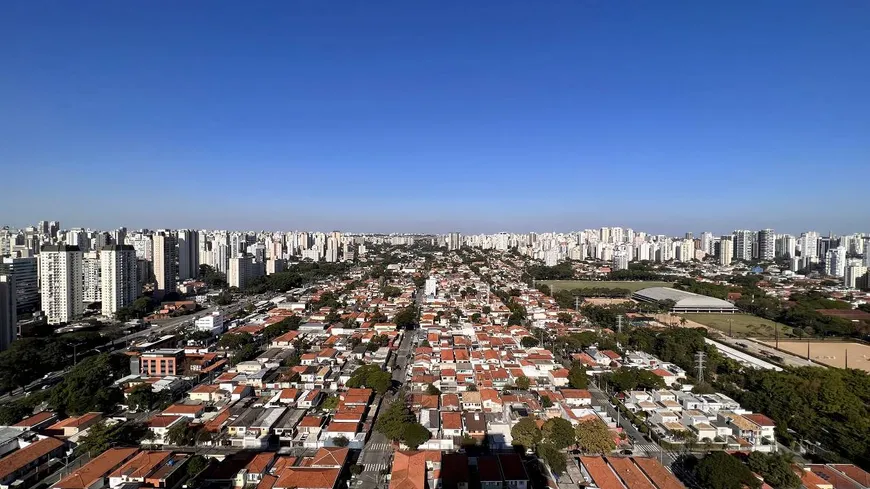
(375, 467)
(647, 447)
(378, 447)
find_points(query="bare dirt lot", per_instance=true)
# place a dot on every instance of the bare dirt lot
(831, 353)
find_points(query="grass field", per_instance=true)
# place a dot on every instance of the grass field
(744, 325)
(557, 285)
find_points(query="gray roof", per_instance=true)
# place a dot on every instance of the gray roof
(682, 298)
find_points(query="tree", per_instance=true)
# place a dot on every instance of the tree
(372, 377)
(719, 470)
(406, 318)
(340, 441)
(330, 403)
(559, 432)
(415, 435)
(88, 386)
(142, 397)
(529, 342)
(577, 377)
(776, 470)
(290, 323)
(523, 383)
(526, 433)
(546, 402)
(564, 317)
(432, 390)
(392, 421)
(182, 434)
(554, 457)
(101, 436)
(235, 341)
(196, 464)
(13, 412)
(594, 437)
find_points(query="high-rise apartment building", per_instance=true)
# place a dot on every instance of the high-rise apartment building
(61, 284)
(685, 250)
(620, 260)
(119, 282)
(164, 263)
(766, 244)
(742, 240)
(835, 262)
(240, 272)
(454, 241)
(8, 310)
(726, 250)
(188, 254)
(786, 245)
(809, 244)
(707, 242)
(25, 271)
(91, 284)
(855, 276)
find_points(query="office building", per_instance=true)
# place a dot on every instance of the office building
(26, 273)
(8, 310)
(743, 241)
(766, 244)
(867, 251)
(91, 284)
(61, 283)
(241, 272)
(164, 263)
(188, 254)
(78, 237)
(726, 250)
(119, 282)
(835, 262)
(212, 323)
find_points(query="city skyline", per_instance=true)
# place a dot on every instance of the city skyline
(415, 117)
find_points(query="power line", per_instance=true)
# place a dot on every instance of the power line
(700, 357)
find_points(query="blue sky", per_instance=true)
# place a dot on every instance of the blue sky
(433, 116)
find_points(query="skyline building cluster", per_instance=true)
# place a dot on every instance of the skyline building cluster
(60, 272)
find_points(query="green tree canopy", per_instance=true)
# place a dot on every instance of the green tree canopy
(719, 470)
(415, 435)
(554, 457)
(776, 470)
(526, 433)
(559, 432)
(529, 342)
(593, 436)
(392, 421)
(577, 377)
(406, 318)
(101, 436)
(372, 377)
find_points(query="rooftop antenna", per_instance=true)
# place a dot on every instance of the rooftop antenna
(700, 357)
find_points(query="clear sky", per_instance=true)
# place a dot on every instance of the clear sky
(477, 116)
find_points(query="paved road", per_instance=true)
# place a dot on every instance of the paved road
(377, 455)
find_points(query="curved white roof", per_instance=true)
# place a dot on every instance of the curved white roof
(683, 299)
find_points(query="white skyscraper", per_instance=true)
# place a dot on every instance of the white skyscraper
(118, 278)
(707, 242)
(835, 262)
(188, 254)
(61, 284)
(620, 260)
(685, 250)
(809, 244)
(743, 240)
(726, 250)
(454, 241)
(786, 245)
(91, 284)
(164, 263)
(8, 310)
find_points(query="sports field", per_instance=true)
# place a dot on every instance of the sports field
(742, 325)
(557, 285)
(831, 353)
